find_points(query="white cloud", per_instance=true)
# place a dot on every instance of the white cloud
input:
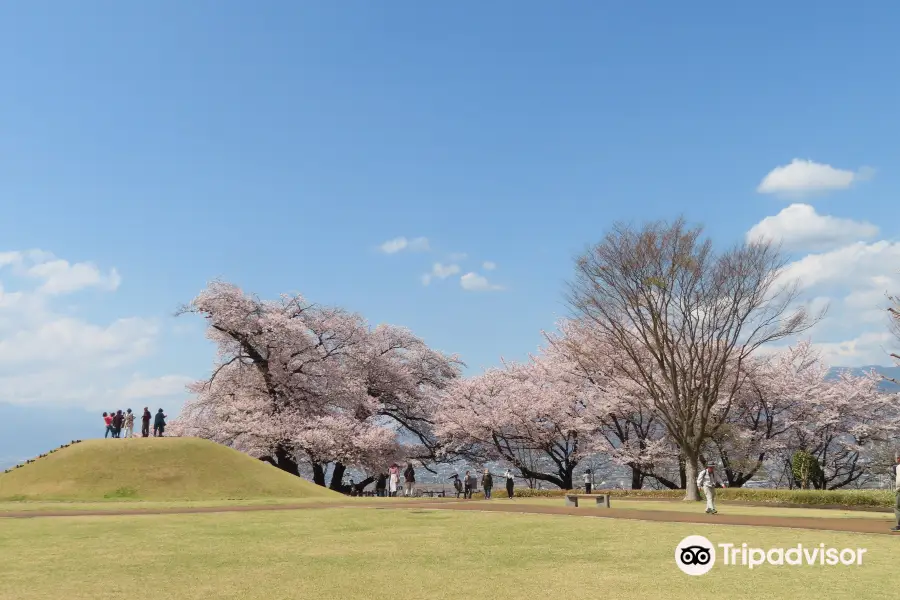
(856, 278)
(439, 271)
(395, 245)
(799, 227)
(489, 266)
(59, 276)
(48, 353)
(473, 282)
(805, 176)
(458, 256)
(159, 387)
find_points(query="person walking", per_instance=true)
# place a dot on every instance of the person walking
(487, 482)
(707, 481)
(145, 422)
(409, 475)
(588, 481)
(467, 489)
(129, 424)
(394, 479)
(510, 483)
(107, 420)
(159, 424)
(380, 485)
(895, 475)
(457, 484)
(473, 483)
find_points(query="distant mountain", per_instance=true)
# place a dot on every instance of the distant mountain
(891, 372)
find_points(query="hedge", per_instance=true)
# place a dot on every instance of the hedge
(844, 498)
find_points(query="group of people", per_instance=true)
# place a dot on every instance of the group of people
(388, 484)
(468, 484)
(116, 421)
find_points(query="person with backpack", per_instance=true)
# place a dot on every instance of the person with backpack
(487, 482)
(510, 483)
(129, 424)
(707, 481)
(409, 475)
(159, 424)
(107, 420)
(457, 484)
(145, 422)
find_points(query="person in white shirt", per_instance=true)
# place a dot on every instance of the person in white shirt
(588, 481)
(707, 481)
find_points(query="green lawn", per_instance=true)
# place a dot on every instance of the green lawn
(418, 554)
(699, 507)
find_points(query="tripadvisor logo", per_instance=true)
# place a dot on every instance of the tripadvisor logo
(696, 555)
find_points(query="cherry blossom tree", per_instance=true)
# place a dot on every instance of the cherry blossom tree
(299, 383)
(662, 292)
(520, 410)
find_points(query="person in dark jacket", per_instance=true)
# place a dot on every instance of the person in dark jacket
(467, 486)
(409, 475)
(487, 482)
(118, 421)
(159, 424)
(510, 483)
(380, 484)
(145, 422)
(457, 484)
(473, 483)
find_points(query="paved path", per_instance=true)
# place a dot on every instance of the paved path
(877, 526)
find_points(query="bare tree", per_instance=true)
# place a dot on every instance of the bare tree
(685, 318)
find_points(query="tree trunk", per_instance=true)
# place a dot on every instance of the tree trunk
(284, 461)
(691, 493)
(318, 474)
(337, 477)
(637, 478)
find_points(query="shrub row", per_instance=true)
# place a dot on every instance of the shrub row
(847, 498)
(29, 461)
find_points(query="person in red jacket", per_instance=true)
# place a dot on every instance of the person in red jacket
(107, 418)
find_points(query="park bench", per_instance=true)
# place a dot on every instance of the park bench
(602, 499)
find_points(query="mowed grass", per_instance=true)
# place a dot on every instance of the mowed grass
(699, 507)
(161, 469)
(371, 553)
(138, 505)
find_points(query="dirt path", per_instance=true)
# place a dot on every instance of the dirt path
(876, 526)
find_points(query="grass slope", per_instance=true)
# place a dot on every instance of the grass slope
(152, 469)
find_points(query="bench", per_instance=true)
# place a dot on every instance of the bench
(602, 499)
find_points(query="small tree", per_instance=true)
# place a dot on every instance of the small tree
(685, 318)
(806, 470)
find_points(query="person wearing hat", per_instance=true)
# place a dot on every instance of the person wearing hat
(707, 481)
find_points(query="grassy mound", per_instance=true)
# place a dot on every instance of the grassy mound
(152, 469)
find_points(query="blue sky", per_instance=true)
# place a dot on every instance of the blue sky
(279, 144)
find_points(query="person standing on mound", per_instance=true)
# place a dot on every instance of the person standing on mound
(707, 481)
(510, 483)
(145, 423)
(159, 424)
(129, 424)
(895, 472)
(107, 419)
(118, 419)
